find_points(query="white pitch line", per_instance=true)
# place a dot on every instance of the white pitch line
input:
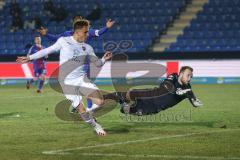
(160, 156)
(27, 71)
(63, 151)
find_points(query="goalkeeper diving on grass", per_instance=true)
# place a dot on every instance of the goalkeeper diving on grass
(171, 91)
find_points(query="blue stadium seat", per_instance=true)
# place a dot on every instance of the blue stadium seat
(216, 28)
(137, 20)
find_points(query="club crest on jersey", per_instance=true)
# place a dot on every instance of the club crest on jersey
(84, 48)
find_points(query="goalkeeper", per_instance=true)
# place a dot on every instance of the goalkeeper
(174, 89)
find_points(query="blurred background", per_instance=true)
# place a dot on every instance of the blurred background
(204, 34)
(166, 34)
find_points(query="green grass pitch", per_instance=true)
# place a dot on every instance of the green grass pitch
(30, 130)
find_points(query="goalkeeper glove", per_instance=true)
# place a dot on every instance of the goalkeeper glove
(197, 103)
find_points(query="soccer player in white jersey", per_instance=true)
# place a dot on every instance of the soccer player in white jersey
(73, 49)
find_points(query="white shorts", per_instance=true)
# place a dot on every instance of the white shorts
(82, 86)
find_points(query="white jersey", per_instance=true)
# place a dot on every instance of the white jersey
(71, 50)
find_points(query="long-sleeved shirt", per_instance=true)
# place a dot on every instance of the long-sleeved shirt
(160, 98)
(72, 56)
(92, 33)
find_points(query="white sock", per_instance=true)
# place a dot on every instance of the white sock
(94, 106)
(91, 122)
(88, 119)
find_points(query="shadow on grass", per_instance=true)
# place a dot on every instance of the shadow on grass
(158, 125)
(118, 130)
(164, 128)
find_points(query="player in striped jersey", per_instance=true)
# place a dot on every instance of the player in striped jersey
(39, 65)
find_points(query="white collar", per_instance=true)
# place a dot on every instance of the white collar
(76, 41)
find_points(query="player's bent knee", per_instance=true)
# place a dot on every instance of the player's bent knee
(99, 102)
(96, 97)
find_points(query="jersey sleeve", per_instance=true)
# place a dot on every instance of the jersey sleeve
(52, 49)
(172, 78)
(190, 95)
(97, 32)
(94, 59)
(55, 37)
(168, 83)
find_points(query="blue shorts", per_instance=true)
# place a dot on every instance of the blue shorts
(39, 72)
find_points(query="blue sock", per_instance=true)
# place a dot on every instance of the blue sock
(89, 103)
(40, 84)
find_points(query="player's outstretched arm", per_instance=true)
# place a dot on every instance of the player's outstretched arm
(99, 62)
(24, 59)
(101, 31)
(52, 37)
(193, 100)
(42, 53)
(197, 103)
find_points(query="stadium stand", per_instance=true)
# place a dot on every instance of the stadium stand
(137, 20)
(216, 29)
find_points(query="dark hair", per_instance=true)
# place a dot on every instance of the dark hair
(183, 68)
(80, 24)
(76, 18)
(36, 36)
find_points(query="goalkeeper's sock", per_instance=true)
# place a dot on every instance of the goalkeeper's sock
(112, 96)
(117, 96)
